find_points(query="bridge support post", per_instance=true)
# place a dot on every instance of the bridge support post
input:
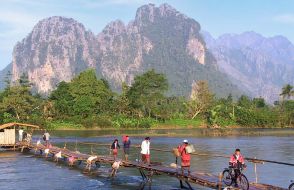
(182, 186)
(146, 179)
(255, 171)
(220, 184)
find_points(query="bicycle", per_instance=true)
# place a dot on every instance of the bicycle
(291, 186)
(229, 177)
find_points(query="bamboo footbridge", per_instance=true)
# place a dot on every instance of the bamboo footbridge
(147, 171)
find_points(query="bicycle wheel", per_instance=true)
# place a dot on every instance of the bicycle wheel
(242, 182)
(227, 178)
(291, 187)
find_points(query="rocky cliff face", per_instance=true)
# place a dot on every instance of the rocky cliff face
(56, 50)
(159, 38)
(259, 65)
(127, 49)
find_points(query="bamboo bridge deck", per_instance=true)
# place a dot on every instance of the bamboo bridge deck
(203, 179)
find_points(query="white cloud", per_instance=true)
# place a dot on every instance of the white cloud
(17, 18)
(285, 18)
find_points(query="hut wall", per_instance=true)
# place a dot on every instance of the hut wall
(2, 140)
(7, 137)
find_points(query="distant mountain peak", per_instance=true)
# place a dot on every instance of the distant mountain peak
(150, 12)
(114, 28)
(261, 65)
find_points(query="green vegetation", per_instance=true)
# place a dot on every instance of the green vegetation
(88, 102)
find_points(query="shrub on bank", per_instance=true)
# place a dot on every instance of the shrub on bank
(125, 122)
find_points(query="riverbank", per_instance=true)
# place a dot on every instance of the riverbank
(172, 131)
(168, 125)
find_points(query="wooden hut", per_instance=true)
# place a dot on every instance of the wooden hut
(8, 133)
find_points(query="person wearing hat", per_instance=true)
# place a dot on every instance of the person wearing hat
(185, 157)
(145, 150)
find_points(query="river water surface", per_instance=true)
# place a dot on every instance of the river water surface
(28, 172)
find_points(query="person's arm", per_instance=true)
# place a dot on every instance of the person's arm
(242, 160)
(118, 145)
(231, 162)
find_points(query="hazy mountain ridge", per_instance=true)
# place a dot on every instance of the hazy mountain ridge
(159, 38)
(259, 65)
(5, 74)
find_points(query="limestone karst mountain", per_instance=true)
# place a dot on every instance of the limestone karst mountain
(159, 38)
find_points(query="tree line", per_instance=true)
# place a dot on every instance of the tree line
(87, 101)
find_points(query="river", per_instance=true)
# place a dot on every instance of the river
(28, 172)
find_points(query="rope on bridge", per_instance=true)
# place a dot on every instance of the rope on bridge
(253, 160)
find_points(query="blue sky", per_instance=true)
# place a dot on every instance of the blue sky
(268, 17)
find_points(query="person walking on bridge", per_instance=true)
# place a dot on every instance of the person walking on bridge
(185, 157)
(20, 134)
(46, 138)
(114, 147)
(127, 144)
(145, 150)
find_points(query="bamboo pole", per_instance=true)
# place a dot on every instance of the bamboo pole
(253, 160)
(76, 145)
(255, 171)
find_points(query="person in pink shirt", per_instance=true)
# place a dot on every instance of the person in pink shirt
(237, 162)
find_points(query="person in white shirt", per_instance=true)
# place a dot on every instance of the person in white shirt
(145, 150)
(20, 134)
(46, 138)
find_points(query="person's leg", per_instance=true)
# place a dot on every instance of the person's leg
(114, 155)
(235, 177)
(143, 158)
(148, 159)
(188, 167)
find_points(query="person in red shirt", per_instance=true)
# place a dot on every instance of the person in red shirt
(185, 157)
(237, 162)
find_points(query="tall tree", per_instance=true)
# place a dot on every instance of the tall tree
(244, 101)
(19, 101)
(201, 98)
(90, 94)
(62, 100)
(287, 91)
(147, 91)
(122, 102)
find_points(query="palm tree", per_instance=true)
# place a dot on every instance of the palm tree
(287, 91)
